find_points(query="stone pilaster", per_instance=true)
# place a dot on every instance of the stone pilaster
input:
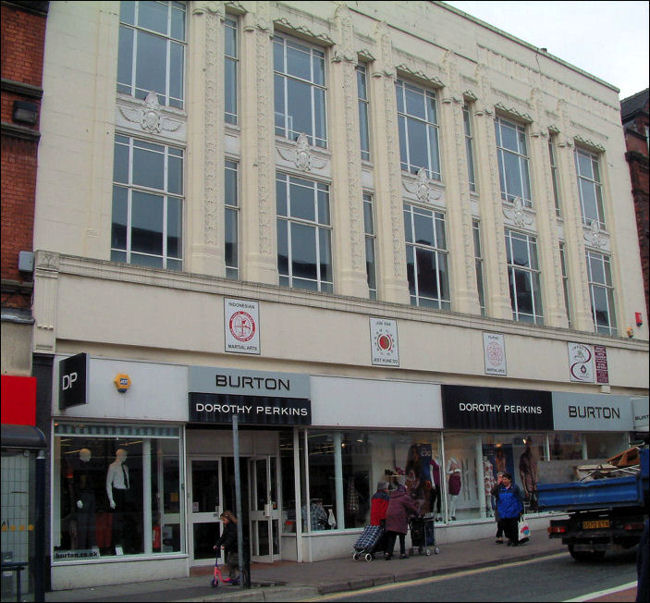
(46, 288)
(258, 213)
(393, 283)
(347, 210)
(497, 292)
(205, 165)
(579, 297)
(548, 245)
(464, 294)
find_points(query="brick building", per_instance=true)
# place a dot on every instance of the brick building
(23, 39)
(634, 114)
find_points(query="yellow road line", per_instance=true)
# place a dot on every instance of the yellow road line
(432, 579)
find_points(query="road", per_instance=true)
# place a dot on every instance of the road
(556, 578)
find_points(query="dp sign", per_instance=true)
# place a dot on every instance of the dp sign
(73, 381)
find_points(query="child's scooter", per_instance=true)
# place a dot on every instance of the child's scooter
(218, 576)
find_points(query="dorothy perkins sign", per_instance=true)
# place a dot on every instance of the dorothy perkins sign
(255, 397)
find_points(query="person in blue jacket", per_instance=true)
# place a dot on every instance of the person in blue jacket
(510, 506)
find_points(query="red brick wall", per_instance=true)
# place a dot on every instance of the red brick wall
(637, 157)
(23, 39)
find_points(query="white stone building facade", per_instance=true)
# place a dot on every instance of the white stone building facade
(387, 188)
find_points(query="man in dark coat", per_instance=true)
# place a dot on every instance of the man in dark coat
(400, 506)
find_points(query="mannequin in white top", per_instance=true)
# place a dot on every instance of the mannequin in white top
(454, 484)
(117, 487)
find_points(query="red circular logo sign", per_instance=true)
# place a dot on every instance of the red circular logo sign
(242, 326)
(385, 342)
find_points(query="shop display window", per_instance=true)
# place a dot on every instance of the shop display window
(344, 468)
(602, 446)
(116, 491)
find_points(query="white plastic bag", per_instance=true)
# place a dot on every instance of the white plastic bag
(524, 529)
(331, 520)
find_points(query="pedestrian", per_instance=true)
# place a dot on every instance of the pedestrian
(400, 506)
(227, 543)
(510, 506)
(493, 502)
(379, 505)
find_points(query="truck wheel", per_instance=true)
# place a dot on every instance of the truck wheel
(586, 555)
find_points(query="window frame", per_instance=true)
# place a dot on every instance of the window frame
(132, 144)
(432, 128)
(439, 253)
(321, 229)
(364, 111)
(232, 209)
(165, 98)
(530, 271)
(478, 264)
(565, 283)
(595, 180)
(469, 146)
(231, 22)
(522, 157)
(286, 129)
(610, 327)
(555, 174)
(370, 243)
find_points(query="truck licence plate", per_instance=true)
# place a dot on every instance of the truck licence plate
(593, 525)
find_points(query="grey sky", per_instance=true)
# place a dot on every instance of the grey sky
(606, 39)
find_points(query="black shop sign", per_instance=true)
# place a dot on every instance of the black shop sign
(250, 410)
(488, 408)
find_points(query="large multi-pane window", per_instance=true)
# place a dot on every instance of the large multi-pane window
(418, 129)
(230, 75)
(304, 234)
(426, 257)
(369, 230)
(147, 204)
(523, 274)
(232, 220)
(151, 55)
(555, 176)
(565, 282)
(602, 292)
(590, 187)
(364, 130)
(469, 147)
(299, 91)
(512, 152)
(478, 263)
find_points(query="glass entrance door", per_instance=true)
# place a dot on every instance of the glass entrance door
(264, 512)
(205, 498)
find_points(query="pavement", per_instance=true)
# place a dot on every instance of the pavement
(292, 581)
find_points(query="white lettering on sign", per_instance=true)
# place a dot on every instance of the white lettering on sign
(69, 380)
(511, 408)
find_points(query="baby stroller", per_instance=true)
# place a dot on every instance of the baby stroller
(371, 541)
(423, 535)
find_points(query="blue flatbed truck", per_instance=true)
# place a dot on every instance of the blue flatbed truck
(604, 514)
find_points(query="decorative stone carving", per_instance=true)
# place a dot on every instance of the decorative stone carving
(300, 30)
(517, 213)
(594, 236)
(514, 113)
(302, 156)
(365, 55)
(590, 144)
(150, 117)
(46, 260)
(470, 96)
(432, 80)
(423, 190)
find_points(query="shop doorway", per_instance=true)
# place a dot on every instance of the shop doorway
(211, 490)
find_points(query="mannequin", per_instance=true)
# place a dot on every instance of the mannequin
(436, 495)
(83, 487)
(528, 474)
(454, 476)
(488, 482)
(117, 486)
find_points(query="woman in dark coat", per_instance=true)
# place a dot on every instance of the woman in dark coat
(228, 543)
(400, 506)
